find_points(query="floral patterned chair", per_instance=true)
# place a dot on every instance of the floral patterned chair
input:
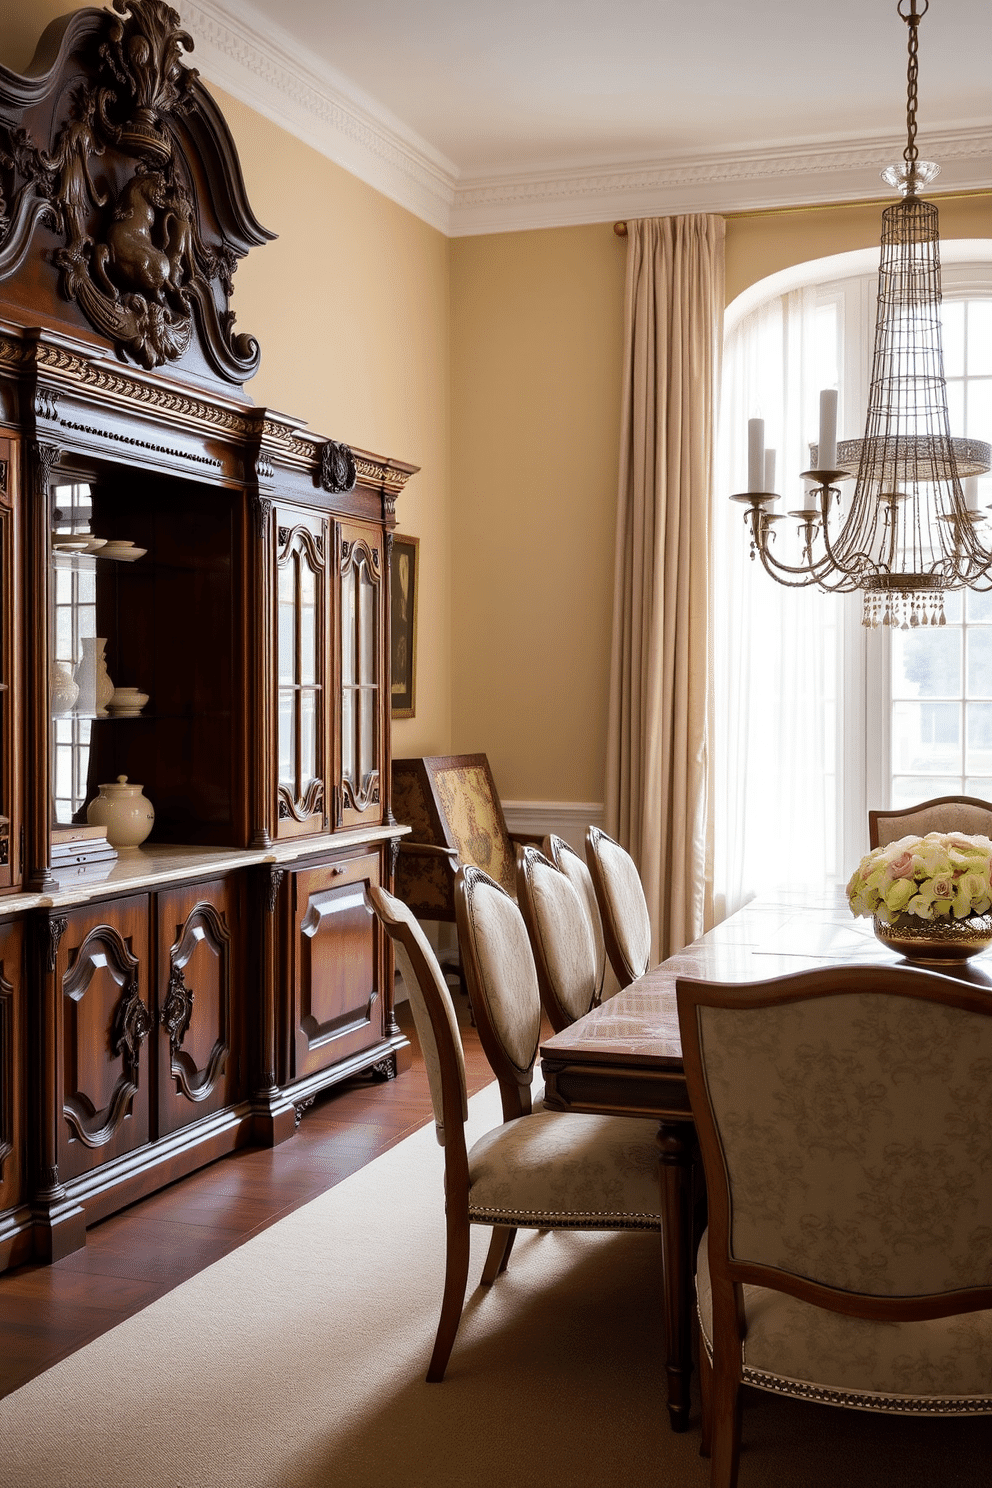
(560, 937)
(540, 1169)
(622, 906)
(844, 1118)
(965, 814)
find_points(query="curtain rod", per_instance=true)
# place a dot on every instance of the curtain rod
(620, 228)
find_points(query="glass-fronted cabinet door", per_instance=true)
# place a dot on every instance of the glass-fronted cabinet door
(302, 663)
(362, 744)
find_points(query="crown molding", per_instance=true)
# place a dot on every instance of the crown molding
(268, 70)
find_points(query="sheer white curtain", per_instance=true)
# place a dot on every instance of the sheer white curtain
(775, 649)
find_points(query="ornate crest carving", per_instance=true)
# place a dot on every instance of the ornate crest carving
(338, 471)
(135, 171)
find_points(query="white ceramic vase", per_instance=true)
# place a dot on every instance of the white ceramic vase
(127, 814)
(95, 686)
(65, 690)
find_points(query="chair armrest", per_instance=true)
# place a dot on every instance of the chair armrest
(428, 850)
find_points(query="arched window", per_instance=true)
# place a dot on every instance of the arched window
(816, 718)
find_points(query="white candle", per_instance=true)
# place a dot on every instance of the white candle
(769, 470)
(971, 492)
(826, 457)
(755, 454)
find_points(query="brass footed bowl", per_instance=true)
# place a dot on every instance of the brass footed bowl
(936, 941)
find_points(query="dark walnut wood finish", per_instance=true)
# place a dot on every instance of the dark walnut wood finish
(198, 997)
(625, 1057)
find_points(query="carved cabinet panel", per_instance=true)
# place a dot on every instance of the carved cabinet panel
(198, 1009)
(101, 984)
(302, 699)
(361, 655)
(13, 1036)
(337, 964)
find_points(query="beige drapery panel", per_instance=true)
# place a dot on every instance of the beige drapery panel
(658, 746)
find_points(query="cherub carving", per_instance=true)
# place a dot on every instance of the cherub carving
(75, 192)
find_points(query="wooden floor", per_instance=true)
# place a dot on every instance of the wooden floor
(47, 1312)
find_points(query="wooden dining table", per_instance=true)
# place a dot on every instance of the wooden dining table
(625, 1058)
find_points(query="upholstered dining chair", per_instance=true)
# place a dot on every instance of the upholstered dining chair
(560, 938)
(843, 1116)
(539, 1170)
(622, 906)
(966, 814)
(576, 870)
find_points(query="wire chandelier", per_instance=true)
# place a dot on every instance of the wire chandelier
(909, 534)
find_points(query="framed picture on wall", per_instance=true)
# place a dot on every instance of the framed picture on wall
(404, 582)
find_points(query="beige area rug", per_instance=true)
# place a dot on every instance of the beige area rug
(298, 1361)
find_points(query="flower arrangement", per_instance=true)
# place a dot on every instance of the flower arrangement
(937, 876)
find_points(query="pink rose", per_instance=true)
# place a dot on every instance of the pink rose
(943, 888)
(902, 866)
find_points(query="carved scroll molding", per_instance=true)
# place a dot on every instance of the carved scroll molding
(104, 951)
(122, 152)
(204, 928)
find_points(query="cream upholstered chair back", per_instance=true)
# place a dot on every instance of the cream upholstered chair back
(502, 983)
(622, 906)
(433, 1010)
(843, 1117)
(576, 870)
(967, 814)
(560, 938)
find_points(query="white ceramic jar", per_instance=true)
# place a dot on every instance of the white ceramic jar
(126, 813)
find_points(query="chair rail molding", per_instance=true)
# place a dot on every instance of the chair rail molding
(566, 819)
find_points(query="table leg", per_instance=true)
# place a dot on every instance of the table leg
(677, 1147)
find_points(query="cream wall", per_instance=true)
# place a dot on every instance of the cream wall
(536, 356)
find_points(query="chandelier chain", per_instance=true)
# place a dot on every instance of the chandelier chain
(912, 19)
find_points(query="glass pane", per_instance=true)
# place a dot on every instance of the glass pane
(308, 624)
(367, 626)
(368, 759)
(953, 607)
(909, 790)
(287, 623)
(926, 663)
(86, 581)
(348, 617)
(978, 412)
(955, 408)
(978, 785)
(978, 605)
(979, 754)
(308, 738)
(287, 740)
(952, 334)
(980, 661)
(980, 341)
(348, 735)
(926, 738)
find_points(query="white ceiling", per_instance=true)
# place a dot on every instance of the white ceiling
(515, 113)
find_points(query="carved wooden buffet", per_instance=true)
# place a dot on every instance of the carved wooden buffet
(228, 570)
